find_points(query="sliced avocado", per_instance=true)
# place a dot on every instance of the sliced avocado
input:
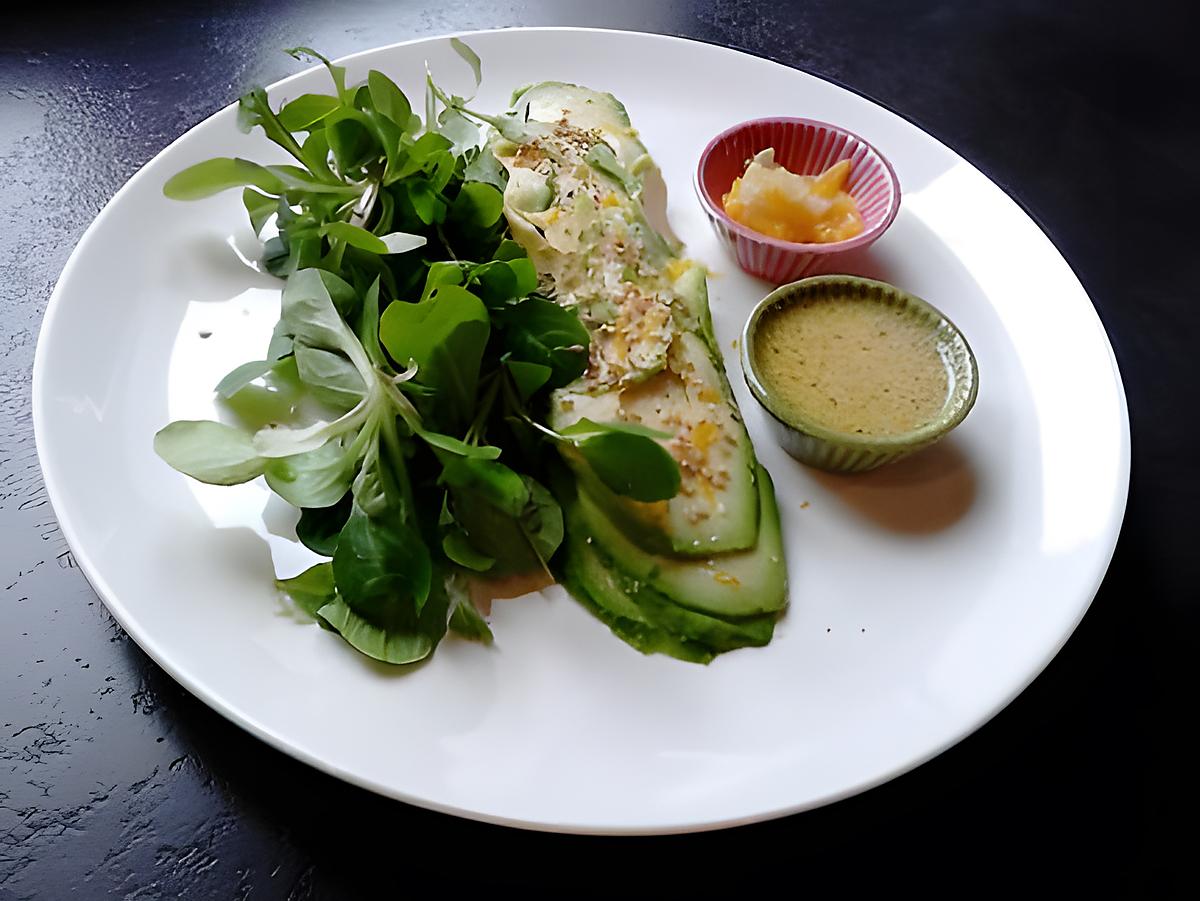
(720, 634)
(737, 584)
(643, 616)
(691, 400)
(654, 359)
(698, 565)
(628, 170)
(551, 101)
(597, 586)
(691, 287)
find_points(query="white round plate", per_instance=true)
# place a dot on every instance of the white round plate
(924, 597)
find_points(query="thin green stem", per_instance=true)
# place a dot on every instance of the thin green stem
(477, 431)
(390, 440)
(446, 243)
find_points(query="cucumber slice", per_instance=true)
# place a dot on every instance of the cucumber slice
(738, 584)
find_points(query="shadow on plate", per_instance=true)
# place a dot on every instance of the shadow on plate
(926, 492)
(217, 266)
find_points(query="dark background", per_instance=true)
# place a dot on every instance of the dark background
(113, 780)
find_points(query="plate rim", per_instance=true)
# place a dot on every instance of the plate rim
(264, 733)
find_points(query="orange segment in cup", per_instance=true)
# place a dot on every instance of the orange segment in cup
(803, 147)
(809, 209)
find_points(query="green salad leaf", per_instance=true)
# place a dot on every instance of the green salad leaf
(444, 337)
(316, 478)
(319, 527)
(216, 175)
(312, 589)
(209, 452)
(465, 620)
(539, 331)
(381, 566)
(397, 642)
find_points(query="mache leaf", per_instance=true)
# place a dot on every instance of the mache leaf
(541, 520)
(259, 207)
(285, 441)
(241, 376)
(318, 527)
(486, 169)
(315, 153)
(465, 620)
(355, 236)
(629, 462)
(426, 202)
(471, 58)
(488, 481)
(318, 478)
(351, 139)
(312, 589)
(478, 205)
(457, 547)
(541, 331)
(508, 516)
(329, 375)
(584, 428)
(219, 174)
(382, 567)
(443, 272)
(398, 645)
(601, 158)
(337, 73)
(402, 242)
(311, 314)
(388, 99)
(307, 110)
(457, 446)
(209, 452)
(528, 377)
(445, 337)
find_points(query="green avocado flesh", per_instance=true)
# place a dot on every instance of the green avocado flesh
(703, 572)
(717, 507)
(741, 583)
(594, 583)
(643, 616)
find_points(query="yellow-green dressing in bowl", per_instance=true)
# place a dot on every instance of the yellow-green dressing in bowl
(855, 372)
(852, 366)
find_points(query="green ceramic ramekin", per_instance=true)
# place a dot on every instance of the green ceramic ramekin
(818, 446)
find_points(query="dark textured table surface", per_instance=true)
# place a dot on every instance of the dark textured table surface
(114, 781)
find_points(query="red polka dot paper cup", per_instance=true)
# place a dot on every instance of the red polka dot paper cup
(805, 147)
